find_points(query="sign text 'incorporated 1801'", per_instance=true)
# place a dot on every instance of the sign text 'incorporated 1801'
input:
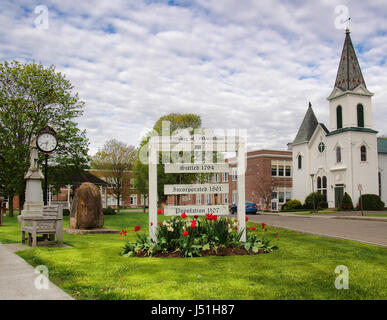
(196, 210)
(196, 188)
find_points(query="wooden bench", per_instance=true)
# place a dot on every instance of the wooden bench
(49, 224)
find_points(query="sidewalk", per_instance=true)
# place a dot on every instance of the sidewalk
(17, 280)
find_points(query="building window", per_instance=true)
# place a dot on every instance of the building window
(215, 178)
(234, 174)
(288, 171)
(363, 153)
(198, 199)
(288, 196)
(299, 162)
(274, 195)
(225, 176)
(234, 197)
(324, 186)
(360, 115)
(225, 198)
(339, 116)
(274, 170)
(133, 199)
(281, 170)
(281, 197)
(338, 154)
(207, 199)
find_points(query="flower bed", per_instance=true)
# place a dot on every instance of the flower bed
(195, 237)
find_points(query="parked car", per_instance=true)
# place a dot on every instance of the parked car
(251, 207)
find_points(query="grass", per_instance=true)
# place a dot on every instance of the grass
(309, 212)
(376, 214)
(303, 268)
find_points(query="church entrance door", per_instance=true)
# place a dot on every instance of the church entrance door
(339, 193)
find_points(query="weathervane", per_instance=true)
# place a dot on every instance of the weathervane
(348, 20)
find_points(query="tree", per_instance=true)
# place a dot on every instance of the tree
(264, 184)
(31, 97)
(177, 122)
(114, 161)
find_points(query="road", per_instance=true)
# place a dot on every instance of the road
(374, 232)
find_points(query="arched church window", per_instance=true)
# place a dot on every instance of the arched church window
(299, 162)
(363, 153)
(319, 184)
(338, 154)
(324, 186)
(339, 117)
(360, 115)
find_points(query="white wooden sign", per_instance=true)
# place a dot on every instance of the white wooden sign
(156, 144)
(208, 188)
(196, 168)
(196, 210)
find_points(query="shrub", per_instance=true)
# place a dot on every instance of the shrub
(346, 203)
(192, 236)
(109, 211)
(291, 205)
(320, 201)
(371, 202)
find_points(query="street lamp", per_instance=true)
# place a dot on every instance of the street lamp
(314, 205)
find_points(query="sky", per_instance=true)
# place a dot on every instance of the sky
(248, 64)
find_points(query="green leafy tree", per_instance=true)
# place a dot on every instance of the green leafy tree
(33, 96)
(114, 161)
(177, 122)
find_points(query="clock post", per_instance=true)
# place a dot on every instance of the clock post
(46, 142)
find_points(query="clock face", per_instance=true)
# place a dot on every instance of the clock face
(46, 142)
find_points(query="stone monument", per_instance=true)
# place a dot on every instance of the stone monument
(86, 209)
(34, 194)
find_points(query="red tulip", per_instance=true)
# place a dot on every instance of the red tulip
(151, 224)
(137, 228)
(185, 233)
(193, 224)
(254, 228)
(183, 215)
(196, 216)
(247, 218)
(158, 211)
(123, 232)
(263, 225)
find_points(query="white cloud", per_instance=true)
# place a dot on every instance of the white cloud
(238, 64)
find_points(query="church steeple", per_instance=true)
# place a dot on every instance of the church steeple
(349, 75)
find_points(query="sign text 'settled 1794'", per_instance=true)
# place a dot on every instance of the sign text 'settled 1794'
(196, 210)
(194, 168)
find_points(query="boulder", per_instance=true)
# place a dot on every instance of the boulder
(86, 209)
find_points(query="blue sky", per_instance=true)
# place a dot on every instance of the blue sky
(238, 64)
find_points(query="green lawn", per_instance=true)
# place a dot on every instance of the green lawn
(310, 212)
(303, 268)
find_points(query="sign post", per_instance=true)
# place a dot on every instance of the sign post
(360, 188)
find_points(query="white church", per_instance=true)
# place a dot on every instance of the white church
(340, 159)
